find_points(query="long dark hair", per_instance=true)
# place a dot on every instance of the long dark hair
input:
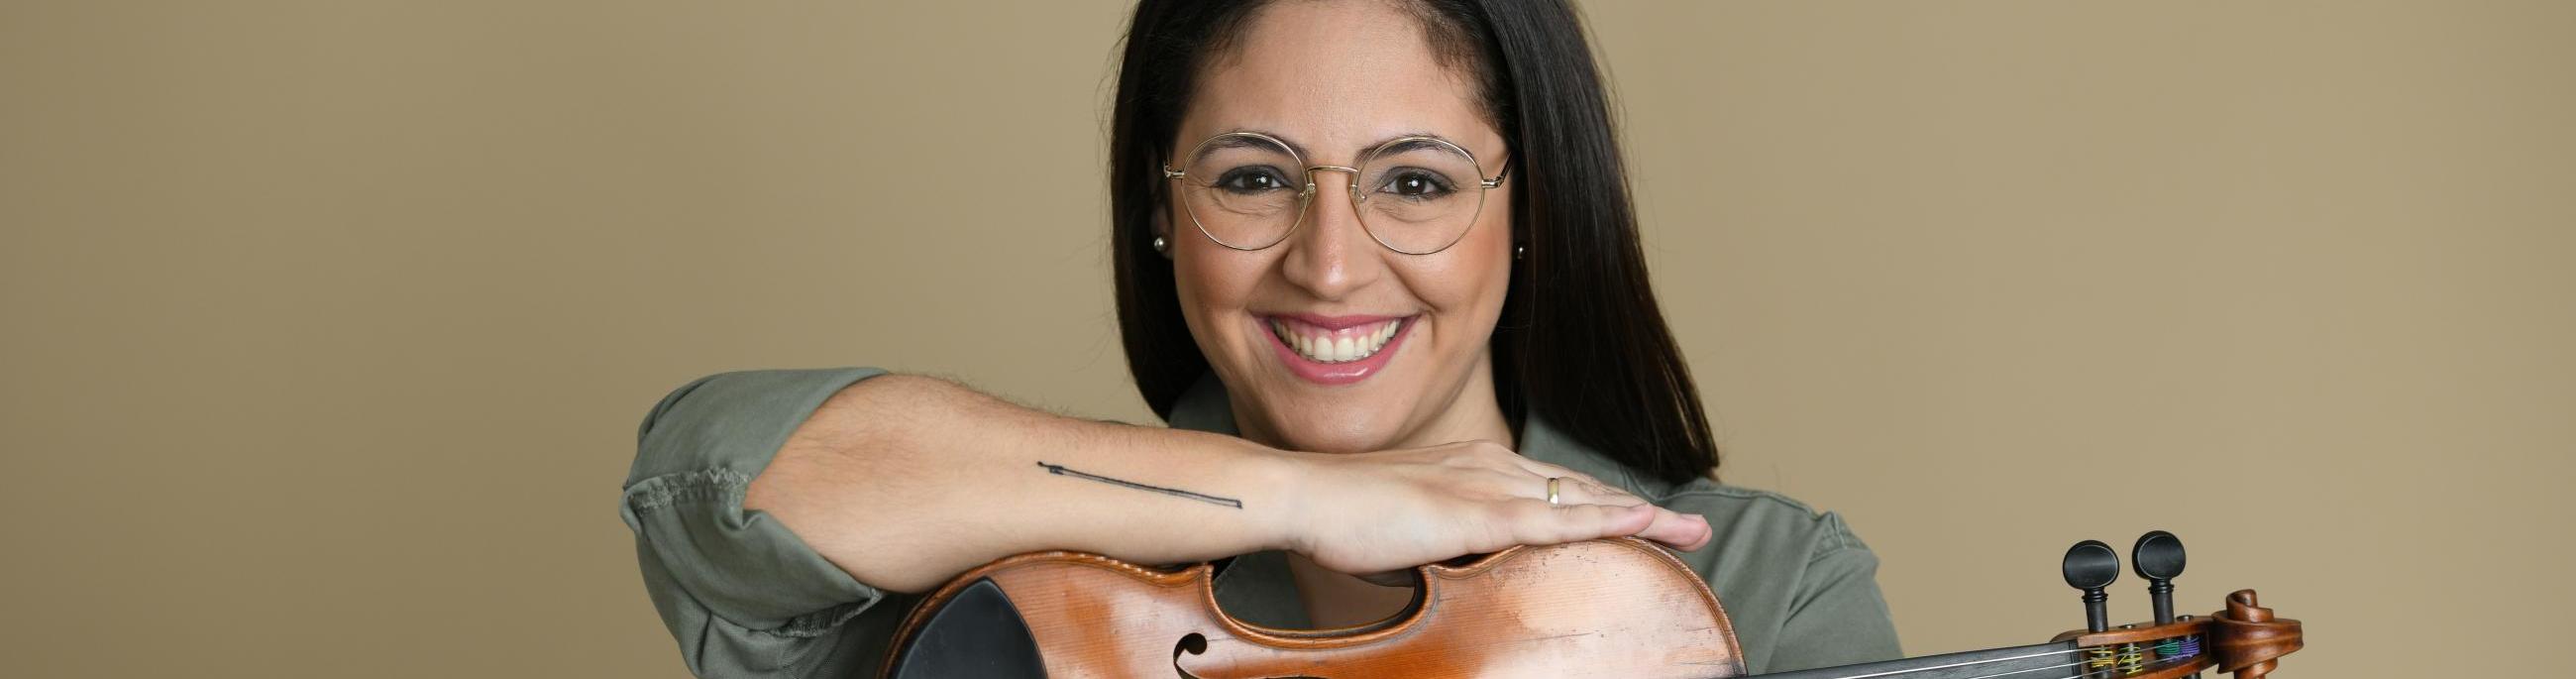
(1581, 341)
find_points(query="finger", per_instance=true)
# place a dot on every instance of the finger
(1582, 490)
(1686, 532)
(1578, 487)
(1570, 483)
(1544, 469)
(1540, 524)
(1570, 491)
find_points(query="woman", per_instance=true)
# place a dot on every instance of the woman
(1377, 266)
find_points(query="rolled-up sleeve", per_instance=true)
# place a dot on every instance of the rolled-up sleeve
(742, 595)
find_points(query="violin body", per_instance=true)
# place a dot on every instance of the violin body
(1618, 607)
(1604, 608)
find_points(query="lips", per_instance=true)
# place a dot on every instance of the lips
(1332, 351)
(1324, 345)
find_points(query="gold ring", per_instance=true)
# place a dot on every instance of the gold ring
(1551, 489)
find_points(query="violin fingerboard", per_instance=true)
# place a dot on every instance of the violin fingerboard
(2060, 660)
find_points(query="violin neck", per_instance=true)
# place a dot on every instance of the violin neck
(2061, 660)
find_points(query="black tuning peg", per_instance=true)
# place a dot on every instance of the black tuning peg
(2158, 558)
(2092, 566)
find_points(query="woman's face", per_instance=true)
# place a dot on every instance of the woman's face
(1338, 78)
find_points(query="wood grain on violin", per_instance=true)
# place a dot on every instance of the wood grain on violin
(1618, 607)
(1605, 608)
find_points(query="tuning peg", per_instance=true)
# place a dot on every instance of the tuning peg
(2092, 566)
(2158, 558)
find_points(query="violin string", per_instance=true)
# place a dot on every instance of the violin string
(2116, 671)
(2104, 672)
(1989, 661)
(2111, 671)
(2034, 669)
(2158, 665)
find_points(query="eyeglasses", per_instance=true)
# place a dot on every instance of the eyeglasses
(1414, 195)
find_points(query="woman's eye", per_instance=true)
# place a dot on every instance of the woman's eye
(1247, 181)
(1414, 185)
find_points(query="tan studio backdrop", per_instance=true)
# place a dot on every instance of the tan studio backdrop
(325, 326)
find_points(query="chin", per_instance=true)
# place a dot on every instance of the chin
(1337, 429)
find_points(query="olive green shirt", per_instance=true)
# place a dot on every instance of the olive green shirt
(745, 598)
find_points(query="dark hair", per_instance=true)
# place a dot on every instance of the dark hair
(1580, 341)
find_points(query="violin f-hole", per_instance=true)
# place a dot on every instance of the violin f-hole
(1196, 644)
(1193, 644)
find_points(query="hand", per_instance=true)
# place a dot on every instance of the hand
(1375, 512)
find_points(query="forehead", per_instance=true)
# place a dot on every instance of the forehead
(1333, 77)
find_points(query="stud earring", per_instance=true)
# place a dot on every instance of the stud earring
(1162, 246)
(1520, 251)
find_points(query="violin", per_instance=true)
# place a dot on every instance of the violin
(1618, 607)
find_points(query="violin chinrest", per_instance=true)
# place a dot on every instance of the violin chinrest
(978, 633)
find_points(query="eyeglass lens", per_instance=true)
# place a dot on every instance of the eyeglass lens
(1415, 196)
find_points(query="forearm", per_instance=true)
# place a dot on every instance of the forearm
(907, 481)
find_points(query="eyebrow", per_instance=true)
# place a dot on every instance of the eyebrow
(1300, 149)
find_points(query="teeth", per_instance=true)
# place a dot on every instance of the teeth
(1343, 349)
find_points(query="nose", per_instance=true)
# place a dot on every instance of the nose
(1334, 255)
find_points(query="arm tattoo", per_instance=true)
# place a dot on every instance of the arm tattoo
(1059, 470)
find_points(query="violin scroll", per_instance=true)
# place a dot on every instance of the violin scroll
(2249, 641)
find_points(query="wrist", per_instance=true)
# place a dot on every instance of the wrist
(1280, 512)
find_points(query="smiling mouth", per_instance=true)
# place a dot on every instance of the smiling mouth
(1335, 346)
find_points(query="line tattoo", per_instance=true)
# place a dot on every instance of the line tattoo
(1059, 470)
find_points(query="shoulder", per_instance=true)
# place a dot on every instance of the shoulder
(1769, 522)
(1771, 525)
(1799, 586)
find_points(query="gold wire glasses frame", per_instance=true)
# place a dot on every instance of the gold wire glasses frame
(1249, 191)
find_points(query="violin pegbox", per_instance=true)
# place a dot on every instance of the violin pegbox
(2245, 638)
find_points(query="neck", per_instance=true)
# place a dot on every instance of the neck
(1334, 599)
(1472, 414)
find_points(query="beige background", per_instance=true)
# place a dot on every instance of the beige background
(327, 323)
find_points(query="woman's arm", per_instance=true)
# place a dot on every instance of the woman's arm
(906, 481)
